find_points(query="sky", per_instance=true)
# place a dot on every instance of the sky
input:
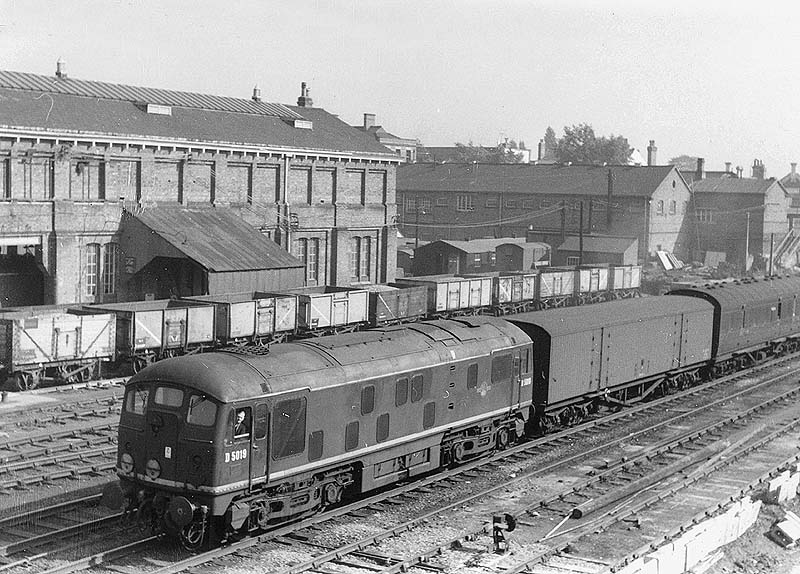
(704, 78)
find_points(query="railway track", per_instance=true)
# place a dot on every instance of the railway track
(538, 469)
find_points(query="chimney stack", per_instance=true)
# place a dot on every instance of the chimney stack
(651, 153)
(739, 171)
(256, 93)
(727, 167)
(305, 101)
(794, 168)
(759, 172)
(61, 69)
(369, 121)
(701, 168)
(542, 150)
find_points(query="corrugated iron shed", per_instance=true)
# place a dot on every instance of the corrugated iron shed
(217, 239)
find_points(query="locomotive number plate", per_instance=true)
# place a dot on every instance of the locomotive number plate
(236, 455)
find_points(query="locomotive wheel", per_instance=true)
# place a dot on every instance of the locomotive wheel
(332, 493)
(192, 535)
(458, 452)
(502, 438)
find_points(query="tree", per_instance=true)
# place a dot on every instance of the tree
(550, 143)
(470, 153)
(684, 162)
(580, 145)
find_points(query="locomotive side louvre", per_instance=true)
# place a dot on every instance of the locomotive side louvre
(584, 352)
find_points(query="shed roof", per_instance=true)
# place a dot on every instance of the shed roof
(216, 238)
(733, 185)
(476, 245)
(527, 246)
(64, 107)
(598, 244)
(559, 179)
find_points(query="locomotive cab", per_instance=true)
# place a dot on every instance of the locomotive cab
(181, 451)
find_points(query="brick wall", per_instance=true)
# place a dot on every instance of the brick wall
(85, 183)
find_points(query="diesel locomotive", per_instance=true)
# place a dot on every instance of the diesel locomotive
(223, 443)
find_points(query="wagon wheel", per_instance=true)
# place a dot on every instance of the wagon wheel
(25, 381)
(139, 363)
(87, 374)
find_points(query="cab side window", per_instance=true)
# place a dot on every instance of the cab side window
(242, 423)
(136, 400)
(289, 427)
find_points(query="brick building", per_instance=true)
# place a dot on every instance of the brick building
(405, 148)
(740, 217)
(463, 201)
(83, 163)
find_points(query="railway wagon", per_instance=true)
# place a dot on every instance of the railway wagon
(618, 351)
(251, 317)
(556, 287)
(753, 319)
(234, 442)
(450, 295)
(396, 303)
(512, 291)
(326, 309)
(56, 343)
(625, 281)
(592, 284)
(148, 331)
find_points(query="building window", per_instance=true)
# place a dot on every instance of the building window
(528, 204)
(492, 203)
(424, 203)
(703, 215)
(307, 250)
(355, 248)
(673, 207)
(365, 258)
(465, 203)
(409, 155)
(573, 260)
(92, 267)
(360, 259)
(511, 203)
(476, 259)
(441, 202)
(660, 207)
(110, 256)
(411, 204)
(545, 203)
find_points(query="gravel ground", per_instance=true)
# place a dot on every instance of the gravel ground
(755, 553)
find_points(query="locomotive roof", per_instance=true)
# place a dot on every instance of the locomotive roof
(334, 360)
(567, 320)
(737, 293)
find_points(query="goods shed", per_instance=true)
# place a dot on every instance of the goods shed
(597, 249)
(455, 257)
(522, 256)
(181, 252)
